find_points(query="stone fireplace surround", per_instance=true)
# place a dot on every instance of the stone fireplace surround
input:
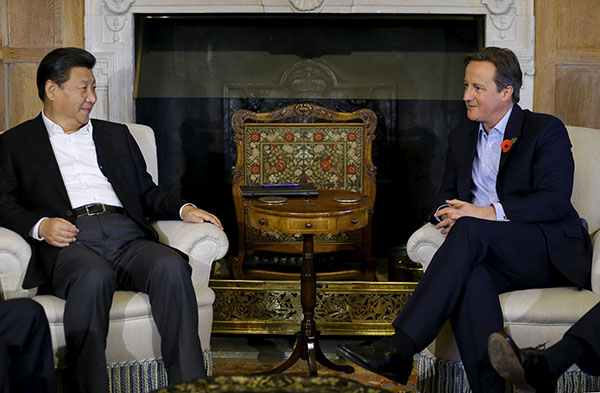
(109, 33)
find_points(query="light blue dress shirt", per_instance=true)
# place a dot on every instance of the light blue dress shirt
(485, 167)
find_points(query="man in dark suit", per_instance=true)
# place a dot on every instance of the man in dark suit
(505, 204)
(26, 361)
(78, 190)
(539, 369)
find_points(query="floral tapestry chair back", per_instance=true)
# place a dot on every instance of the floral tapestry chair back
(329, 149)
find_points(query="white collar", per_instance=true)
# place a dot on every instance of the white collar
(501, 125)
(54, 129)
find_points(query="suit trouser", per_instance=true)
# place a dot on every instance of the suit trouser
(478, 260)
(587, 330)
(111, 253)
(26, 363)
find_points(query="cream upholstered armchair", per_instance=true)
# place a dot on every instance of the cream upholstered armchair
(133, 346)
(535, 316)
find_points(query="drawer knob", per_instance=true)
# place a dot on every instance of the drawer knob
(308, 225)
(354, 221)
(262, 221)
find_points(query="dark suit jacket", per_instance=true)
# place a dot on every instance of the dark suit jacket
(31, 186)
(534, 185)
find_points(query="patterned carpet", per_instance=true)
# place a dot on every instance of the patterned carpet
(231, 366)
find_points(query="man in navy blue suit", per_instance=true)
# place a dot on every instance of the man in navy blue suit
(505, 205)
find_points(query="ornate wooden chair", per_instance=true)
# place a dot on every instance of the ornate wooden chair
(303, 143)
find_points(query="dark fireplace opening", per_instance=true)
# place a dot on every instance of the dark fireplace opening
(194, 72)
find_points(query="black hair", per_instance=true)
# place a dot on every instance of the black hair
(56, 66)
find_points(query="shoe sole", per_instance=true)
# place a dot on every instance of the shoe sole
(505, 361)
(394, 377)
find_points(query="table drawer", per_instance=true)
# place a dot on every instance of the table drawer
(257, 220)
(308, 226)
(358, 220)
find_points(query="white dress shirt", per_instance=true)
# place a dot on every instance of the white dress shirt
(77, 161)
(485, 167)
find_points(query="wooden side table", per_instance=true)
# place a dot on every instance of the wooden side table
(309, 216)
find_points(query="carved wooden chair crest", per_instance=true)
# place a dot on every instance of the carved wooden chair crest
(332, 151)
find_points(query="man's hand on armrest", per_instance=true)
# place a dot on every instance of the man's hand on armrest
(191, 213)
(457, 209)
(57, 232)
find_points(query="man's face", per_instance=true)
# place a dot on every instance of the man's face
(485, 104)
(70, 104)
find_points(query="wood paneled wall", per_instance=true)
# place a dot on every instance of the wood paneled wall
(567, 60)
(28, 30)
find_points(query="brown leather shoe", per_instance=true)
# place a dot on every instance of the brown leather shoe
(525, 368)
(379, 357)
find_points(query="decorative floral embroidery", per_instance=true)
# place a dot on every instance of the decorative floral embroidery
(255, 137)
(326, 164)
(289, 137)
(280, 165)
(255, 169)
(351, 169)
(318, 137)
(351, 137)
(507, 144)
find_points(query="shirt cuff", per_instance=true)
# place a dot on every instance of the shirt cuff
(500, 214)
(181, 209)
(34, 233)
(440, 208)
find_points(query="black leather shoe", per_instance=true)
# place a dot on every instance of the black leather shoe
(525, 368)
(379, 357)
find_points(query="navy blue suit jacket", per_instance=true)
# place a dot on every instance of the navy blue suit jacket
(534, 185)
(31, 186)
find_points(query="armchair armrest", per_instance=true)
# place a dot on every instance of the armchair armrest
(204, 243)
(423, 243)
(15, 253)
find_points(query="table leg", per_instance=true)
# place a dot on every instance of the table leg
(307, 344)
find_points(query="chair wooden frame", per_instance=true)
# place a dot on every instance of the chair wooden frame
(243, 119)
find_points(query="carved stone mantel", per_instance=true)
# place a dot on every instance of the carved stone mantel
(109, 33)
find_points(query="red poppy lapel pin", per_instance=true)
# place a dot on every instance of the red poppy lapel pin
(507, 144)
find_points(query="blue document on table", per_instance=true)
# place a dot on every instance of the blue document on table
(279, 189)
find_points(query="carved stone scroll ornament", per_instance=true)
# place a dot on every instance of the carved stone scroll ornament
(497, 7)
(306, 5)
(119, 6)
(115, 23)
(503, 23)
